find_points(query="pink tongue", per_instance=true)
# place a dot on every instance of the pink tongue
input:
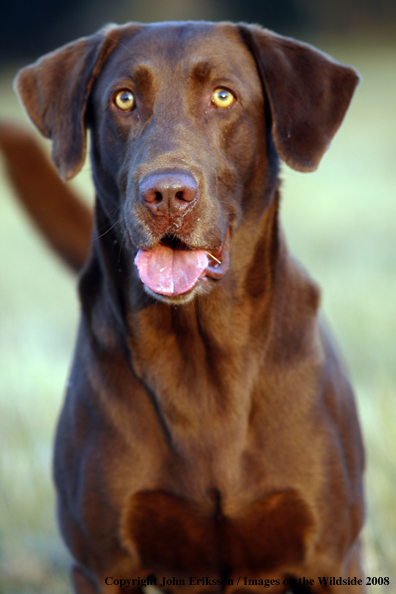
(170, 272)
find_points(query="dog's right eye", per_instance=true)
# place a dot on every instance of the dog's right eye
(124, 100)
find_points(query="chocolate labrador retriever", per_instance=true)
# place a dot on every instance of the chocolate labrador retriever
(209, 437)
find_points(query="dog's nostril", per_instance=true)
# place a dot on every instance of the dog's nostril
(151, 196)
(187, 194)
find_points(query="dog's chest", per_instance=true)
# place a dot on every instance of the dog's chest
(175, 534)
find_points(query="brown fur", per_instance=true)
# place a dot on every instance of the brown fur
(62, 218)
(175, 534)
(213, 431)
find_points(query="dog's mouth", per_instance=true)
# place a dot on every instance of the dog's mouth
(172, 268)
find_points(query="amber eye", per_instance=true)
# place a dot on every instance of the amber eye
(124, 100)
(222, 97)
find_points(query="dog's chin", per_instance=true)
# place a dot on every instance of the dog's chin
(202, 287)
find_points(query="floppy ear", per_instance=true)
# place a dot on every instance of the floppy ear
(307, 91)
(54, 91)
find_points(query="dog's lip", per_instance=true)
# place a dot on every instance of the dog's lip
(218, 260)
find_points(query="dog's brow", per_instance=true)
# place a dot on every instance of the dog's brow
(201, 71)
(142, 75)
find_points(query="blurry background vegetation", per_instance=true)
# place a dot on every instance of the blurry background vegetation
(340, 221)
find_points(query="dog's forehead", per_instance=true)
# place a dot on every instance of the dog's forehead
(164, 47)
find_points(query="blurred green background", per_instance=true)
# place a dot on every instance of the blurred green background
(340, 222)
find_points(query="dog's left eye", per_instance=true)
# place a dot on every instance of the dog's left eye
(222, 97)
(124, 100)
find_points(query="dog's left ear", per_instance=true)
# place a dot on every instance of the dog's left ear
(308, 94)
(54, 92)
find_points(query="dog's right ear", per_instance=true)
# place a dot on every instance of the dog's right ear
(54, 91)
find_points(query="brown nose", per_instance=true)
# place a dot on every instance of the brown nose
(170, 192)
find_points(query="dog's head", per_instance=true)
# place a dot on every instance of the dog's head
(187, 123)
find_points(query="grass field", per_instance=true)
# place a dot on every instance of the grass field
(340, 222)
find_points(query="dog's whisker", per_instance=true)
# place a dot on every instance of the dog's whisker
(116, 209)
(214, 257)
(105, 232)
(117, 42)
(122, 240)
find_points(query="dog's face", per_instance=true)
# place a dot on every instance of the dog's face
(179, 127)
(185, 119)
